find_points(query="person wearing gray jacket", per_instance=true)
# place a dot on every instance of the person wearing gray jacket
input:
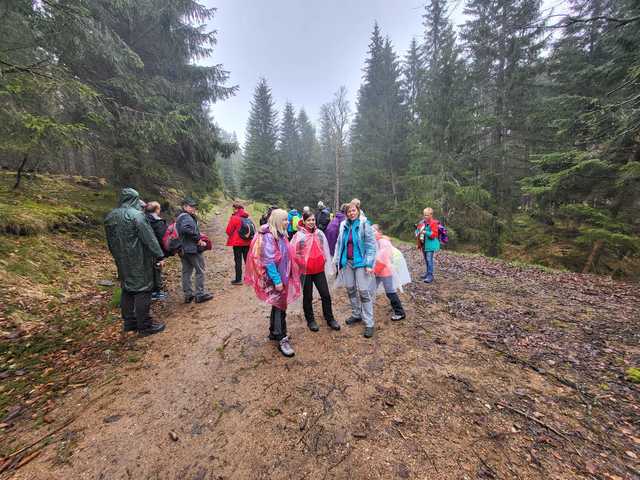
(192, 256)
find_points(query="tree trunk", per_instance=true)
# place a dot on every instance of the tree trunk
(595, 251)
(20, 170)
(394, 188)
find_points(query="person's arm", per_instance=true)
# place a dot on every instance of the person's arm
(187, 227)
(231, 226)
(273, 273)
(370, 248)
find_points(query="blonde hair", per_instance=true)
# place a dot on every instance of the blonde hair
(152, 207)
(356, 202)
(427, 210)
(277, 217)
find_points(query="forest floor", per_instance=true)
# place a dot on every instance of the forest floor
(498, 372)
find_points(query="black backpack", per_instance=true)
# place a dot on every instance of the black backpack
(247, 229)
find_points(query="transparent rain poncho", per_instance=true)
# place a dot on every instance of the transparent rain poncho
(265, 250)
(390, 263)
(311, 252)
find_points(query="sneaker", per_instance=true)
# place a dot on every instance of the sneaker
(368, 332)
(313, 325)
(151, 329)
(189, 298)
(333, 325)
(395, 317)
(205, 297)
(236, 282)
(158, 296)
(285, 347)
(353, 320)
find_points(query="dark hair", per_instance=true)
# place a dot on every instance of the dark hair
(237, 205)
(306, 215)
(344, 207)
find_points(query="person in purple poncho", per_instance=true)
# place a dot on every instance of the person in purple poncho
(333, 229)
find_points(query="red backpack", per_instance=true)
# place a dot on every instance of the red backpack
(171, 242)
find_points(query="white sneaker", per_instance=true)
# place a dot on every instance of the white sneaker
(285, 347)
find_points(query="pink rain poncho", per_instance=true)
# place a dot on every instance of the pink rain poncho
(311, 252)
(265, 250)
(390, 263)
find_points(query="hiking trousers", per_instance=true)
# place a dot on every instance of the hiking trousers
(193, 262)
(135, 309)
(392, 294)
(320, 281)
(239, 254)
(278, 324)
(359, 287)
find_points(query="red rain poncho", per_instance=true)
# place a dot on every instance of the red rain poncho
(265, 250)
(311, 252)
(390, 263)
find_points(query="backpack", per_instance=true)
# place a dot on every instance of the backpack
(443, 235)
(171, 242)
(294, 220)
(247, 229)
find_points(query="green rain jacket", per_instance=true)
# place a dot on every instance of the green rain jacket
(132, 243)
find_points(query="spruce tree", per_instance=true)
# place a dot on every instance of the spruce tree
(262, 179)
(289, 152)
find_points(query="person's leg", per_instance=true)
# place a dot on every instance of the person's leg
(128, 311)
(187, 271)
(307, 301)
(352, 291)
(280, 325)
(365, 284)
(200, 268)
(245, 252)
(320, 280)
(429, 276)
(279, 330)
(426, 264)
(237, 260)
(394, 299)
(142, 303)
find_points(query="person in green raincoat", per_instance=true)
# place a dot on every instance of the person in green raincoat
(136, 251)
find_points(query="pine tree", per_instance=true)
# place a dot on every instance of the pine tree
(314, 176)
(289, 152)
(262, 180)
(380, 127)
(413, 78)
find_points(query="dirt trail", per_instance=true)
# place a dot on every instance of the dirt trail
(476, 383)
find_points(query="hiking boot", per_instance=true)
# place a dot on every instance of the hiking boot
(189, 298)
(285, 347)
(129, 327)
(333, 325)
(368, 332)
(428, 279)
(313, 325)
(151, 329)
(236, 282)
(353, 320)
(271, 336)
(205, 297)
(395, 317)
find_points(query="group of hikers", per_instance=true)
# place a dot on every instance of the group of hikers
(285, 257)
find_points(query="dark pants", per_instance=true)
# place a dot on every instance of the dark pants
(135, 309)
(157, 279)
(278, 324)
(320, 281)
(239, 253)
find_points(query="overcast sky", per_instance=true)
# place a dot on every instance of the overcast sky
(306, 49)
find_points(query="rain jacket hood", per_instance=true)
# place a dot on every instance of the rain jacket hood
(132, 243)
(311, 252)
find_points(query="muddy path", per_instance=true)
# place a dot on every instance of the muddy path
(498, 372)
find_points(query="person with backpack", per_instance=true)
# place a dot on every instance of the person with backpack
(427, 237)
(354, 259)
(136, 251)
(193, 244)
(391, 272)
(240, 232)
(294, 221)
(159, 226)
(323, 217)
(274, 275)
(310, 249)
(334, 228)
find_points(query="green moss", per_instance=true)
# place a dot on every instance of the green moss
(633, 375)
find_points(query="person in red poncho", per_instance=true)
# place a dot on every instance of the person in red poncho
(240, 245)
(311, 252)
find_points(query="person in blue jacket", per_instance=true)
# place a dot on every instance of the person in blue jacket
(355, 256)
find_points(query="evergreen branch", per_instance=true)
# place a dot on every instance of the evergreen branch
(32, 69)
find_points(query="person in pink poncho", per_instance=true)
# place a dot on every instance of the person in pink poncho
(311, 252)
(274, 276)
